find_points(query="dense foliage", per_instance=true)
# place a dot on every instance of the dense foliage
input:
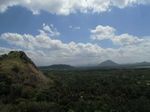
(113, 90)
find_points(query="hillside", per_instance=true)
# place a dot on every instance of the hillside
(20, 69)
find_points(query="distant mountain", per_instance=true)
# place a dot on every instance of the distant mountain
(108, 63)
(139, 65)
(19, 69)
(143, 64)
(57, 67)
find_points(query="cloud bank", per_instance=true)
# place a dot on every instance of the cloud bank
(44, 49)
(66, 7)
(109, 33)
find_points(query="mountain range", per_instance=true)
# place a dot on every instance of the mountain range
(110, 63)
(104, 64)
(17, 62)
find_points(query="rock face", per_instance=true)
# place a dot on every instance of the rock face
(20, 69)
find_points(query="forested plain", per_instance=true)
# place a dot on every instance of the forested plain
(97, 90)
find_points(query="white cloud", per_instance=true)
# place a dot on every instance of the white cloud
(126, 39)
(109, 33)
(45, 50)
(50, 30)
(65, 7)
(102, 32)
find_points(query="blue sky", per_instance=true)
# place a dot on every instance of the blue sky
(132, 20)
(77, 27)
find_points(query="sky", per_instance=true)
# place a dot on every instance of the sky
(76, 33)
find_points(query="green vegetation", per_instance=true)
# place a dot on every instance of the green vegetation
(75, 90)
(81, 91)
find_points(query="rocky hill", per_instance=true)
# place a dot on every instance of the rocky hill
(18, 68)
